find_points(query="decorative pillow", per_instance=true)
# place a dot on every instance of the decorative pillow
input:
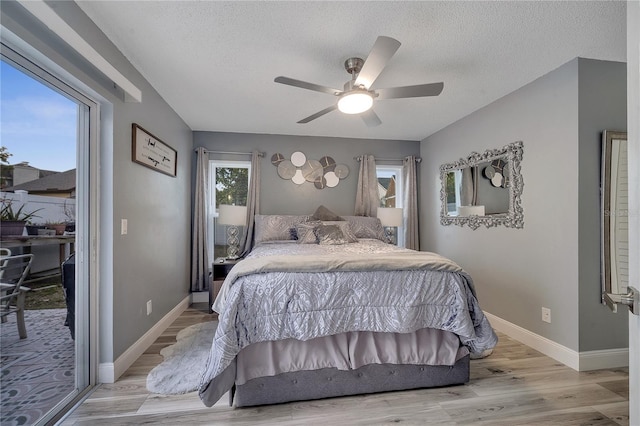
(330, 235)
(276, 227)
(323, 213)
(345, 227)
(306, 232)
(367, 227)
(293, 233)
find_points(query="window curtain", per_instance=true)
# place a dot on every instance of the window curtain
(253, 204)
(199, 255)
(410, 203)
(367, 198)
(469, 186)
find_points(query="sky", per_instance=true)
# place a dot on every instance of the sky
(37, 124)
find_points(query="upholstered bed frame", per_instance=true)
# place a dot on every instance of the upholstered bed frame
(331, 382)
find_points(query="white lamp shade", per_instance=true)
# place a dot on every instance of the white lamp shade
(390, 216)
(232, 215)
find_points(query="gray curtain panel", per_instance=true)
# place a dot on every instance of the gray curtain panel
(469, 186)
(466, 187)
(253, 204)
(199, 255)
(410, 202)
(367, 198)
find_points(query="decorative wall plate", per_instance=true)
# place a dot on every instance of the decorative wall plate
(328, 164)
(341, 171)
(276, 159)
(298, 178)
(312, 170)
(298, 159)
(331, 179)
(286, 170)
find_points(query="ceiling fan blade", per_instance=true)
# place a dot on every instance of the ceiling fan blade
(370, 118)
(432, 89)
(383, 49)
(318, 114)
(305, 85)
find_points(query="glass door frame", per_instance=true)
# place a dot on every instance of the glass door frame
(87, 220)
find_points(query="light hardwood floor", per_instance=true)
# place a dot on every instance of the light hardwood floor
(516, 385)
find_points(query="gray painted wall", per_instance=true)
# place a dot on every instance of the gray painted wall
(279, 196)
(602, 103)
(519, 271)
(152, 261)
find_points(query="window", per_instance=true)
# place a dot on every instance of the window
(454, 180)
(390, 191)
(228, 184)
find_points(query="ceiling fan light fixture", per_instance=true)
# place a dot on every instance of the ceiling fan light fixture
(355, 102)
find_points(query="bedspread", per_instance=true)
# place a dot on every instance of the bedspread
(303, 296)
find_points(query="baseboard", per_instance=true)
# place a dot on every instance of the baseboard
(608, 358)
(109, 372)
(579, 361)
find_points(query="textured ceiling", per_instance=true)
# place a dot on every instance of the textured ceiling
(214, 61)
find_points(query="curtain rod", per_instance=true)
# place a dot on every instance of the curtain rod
(206, 151)
(359, 158)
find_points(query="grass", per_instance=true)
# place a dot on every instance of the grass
(45, 294)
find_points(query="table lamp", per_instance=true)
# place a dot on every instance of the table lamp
(390, 217)
(232, 216)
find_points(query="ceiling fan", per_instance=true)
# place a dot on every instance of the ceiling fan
(357, 96)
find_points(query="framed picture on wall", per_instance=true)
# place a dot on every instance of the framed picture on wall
(150, 151)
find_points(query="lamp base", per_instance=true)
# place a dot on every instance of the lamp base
(390, 232)
(232, 240)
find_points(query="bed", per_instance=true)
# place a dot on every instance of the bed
(324, 308)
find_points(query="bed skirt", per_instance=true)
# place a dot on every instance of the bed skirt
(331, 382)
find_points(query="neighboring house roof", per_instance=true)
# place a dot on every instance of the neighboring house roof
(62, 181)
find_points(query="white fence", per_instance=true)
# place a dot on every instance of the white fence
(53, 209)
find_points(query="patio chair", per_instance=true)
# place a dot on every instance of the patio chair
(4, 252)
(14, 270)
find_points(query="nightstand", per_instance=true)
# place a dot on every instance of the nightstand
(220, 267)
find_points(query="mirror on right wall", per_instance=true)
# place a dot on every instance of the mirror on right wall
(483, 189)
(614, 214)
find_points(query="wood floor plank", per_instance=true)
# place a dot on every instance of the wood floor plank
(528, 402)
(545, 379)
(617, 411)
(516, 385)
(581, 416)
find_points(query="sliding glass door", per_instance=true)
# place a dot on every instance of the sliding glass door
(49, 139)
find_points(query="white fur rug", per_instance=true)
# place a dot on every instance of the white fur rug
(183, 364)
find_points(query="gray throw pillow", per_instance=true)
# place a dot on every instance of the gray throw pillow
(367, 227)
(323, 213)
(345, 227)
(330, 235)
(306, 232)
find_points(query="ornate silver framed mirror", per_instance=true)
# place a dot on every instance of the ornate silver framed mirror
(484, 189)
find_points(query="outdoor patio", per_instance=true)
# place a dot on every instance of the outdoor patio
(36, 372)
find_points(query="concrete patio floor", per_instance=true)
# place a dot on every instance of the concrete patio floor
(37, 372)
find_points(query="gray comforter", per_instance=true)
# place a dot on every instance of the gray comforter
(304, 291)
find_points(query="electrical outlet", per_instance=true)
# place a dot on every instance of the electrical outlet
(149, 307)
(546, 315)
(123, 227)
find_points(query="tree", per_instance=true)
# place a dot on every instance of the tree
(4, 155)
(232, 185)
(6, 172)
